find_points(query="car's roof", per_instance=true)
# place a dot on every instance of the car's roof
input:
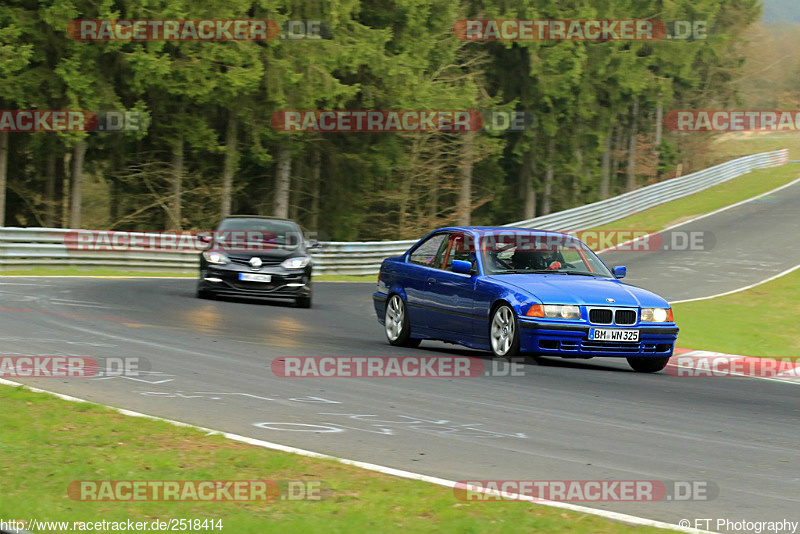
(267, 217)
(483, 230)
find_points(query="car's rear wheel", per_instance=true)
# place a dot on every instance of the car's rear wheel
(398, 327)
(647, 364)
(503, 332)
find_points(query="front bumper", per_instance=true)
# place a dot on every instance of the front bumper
(572, 340)
(224, 280)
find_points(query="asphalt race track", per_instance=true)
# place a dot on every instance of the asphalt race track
(561, 420)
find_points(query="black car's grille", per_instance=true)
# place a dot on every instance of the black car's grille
(264, 261)
(600, 316)
(625, 317)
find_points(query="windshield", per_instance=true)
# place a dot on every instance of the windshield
(248, 232)
(540, 253)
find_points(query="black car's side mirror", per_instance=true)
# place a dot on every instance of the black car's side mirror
(313, 243)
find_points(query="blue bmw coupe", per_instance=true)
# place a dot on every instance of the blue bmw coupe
(516, 290)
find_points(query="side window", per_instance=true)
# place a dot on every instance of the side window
(458, 250)
(429, 253)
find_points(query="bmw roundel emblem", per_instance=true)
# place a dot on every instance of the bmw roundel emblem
(255, 263)
(609, 299)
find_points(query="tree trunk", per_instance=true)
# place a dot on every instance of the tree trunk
(3, 175)
(50, 186)
(465, 172)
(548, 181)
(65, 190)
(316, 175)
(284, 171)
(659, 132)
(605, 183)
(526, 172)
(177, 186)
(231, 160)
(631, 174)
(78, 154)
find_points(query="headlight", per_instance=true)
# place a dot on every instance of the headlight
(296, 263)
(656, 315)
(216, 258)
(555, 311)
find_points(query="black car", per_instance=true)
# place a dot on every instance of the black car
(252, 256)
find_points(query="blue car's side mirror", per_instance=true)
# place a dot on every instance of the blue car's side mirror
(462, 267)
(620, 272)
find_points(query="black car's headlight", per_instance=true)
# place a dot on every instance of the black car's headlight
(656, 315)
(216, 258)
(295, 263)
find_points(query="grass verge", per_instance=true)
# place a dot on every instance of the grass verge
(725, 324)
(48, 442)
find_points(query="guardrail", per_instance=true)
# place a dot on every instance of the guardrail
(25, 248)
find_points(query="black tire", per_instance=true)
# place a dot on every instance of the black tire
(202, 294)
(647, 364)
(397, 325)
(303, 302)
(504, 332)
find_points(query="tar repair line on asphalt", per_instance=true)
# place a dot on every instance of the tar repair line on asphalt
(616, 516)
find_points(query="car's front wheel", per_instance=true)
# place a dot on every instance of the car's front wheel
(303, 302)
(647, 364)
(398, 327)
(503, 332)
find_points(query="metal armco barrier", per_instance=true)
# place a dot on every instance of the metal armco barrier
(23, 248)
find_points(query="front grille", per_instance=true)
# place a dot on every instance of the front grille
(610, 346)
(264, 261)
(600, 316)
(625, 317)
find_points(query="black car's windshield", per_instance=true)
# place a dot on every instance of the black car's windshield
(520, 253)
(249, 232)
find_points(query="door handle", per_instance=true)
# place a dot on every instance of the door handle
(431, 281)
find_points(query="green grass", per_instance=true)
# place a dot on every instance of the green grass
(47, 443)
(683, 209)
(725, 324)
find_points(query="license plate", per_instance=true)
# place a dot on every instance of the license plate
(251, 277)
(607, 334)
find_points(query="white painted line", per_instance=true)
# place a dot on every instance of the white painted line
(616, 516)
(745, 288)
(709, 214)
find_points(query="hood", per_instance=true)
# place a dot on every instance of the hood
(274, 255)
(580, 290)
